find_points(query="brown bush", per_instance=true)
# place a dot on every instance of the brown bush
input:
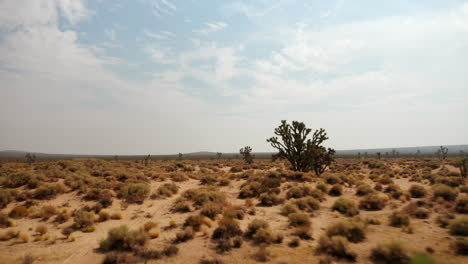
(391, 253)
(346, 207)
(336, 246)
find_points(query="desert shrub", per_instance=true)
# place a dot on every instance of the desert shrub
(170, 251)
(167, 190)
(9, 234)
(203, 195)
(41, 229)
(336, 246)
(62, 217)
(422, 213)
(269, 199)
(195, 221)
(346, 207)
(255, 225)
(459, 226)
(262, 255)
(322, 187)
(398, 219)
(120, 258)
(147, 226)
(372, 202)
(211, 209)
(179, 177)
(103, 216)
(263, 235)
(122, 239)
(295, 242)
(227, 228)
(5, 197)
(378, 187)
(354, 231)
(135, 192)
(332, 179)
(83, 219)
(24, 237)
(385, 180)
(67, 231)
(461, 246)
(391, 253)
(444, 191)
(444, 220)
(184, 235)
(47, 211)
(116, 216)
(336, 190)
(48, 191)
(317, 194)
(208, 180)
(235, 212)
(17, 179)
(307, 204)
(149, 254)
(88, 229)
(363, 189)
(299, 219)
(18, 212)
(450, 181)
(289, 209)
(461, 206)
(303, 232)
(417, 191)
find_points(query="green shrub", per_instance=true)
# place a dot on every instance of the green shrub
(372, 202)
(459, 226)
(444, 191)
(399, 219)
(263, 235)
(392, 253)
(417, 191)
(269, 199)
(299, 219)
(83, 219)
(322, 187)
(135, 192)
(336, 246)
(122, 239)
(346, 207)
(354, 231)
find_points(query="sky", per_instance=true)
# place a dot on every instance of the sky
(170, 76)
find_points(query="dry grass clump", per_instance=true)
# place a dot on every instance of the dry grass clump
(353, 230)
(332, 179)
(390, 253)
(197, 221)
(41, 229)
(211, 209)
(417, 191)
(364, 189)
(398, 219)
(262, 255)
(24, 237)
(122, 239)
(270, 199)
(135, 192)
(336, 246)
(299, 219)
(198, 197)
(336, 190)
(372, 202)
(254, 226)
(9, 234)
(120, 258)
(5, 197)
(48, 191)
(346, 207)
(116, 216)
(444, 191)
(103, 196)
(289, 209)
(459, 226)
(227, 228)
(307, 204)
(18, 212)
(185, 235)
(298, 192)
(166, 190)
(461, 206)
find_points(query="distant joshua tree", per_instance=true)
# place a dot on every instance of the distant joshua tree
(359, 155)
(147, 160)
(30, 158)
(245, 152)
(116, 157)
(442, 152)
(180, 155)
(463, 165)
(379, 155)
(219, 154)
(303, 153)
(393, 152)
(418, 153)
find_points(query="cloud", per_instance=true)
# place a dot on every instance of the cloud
(163, 35)
(162, 7)
(212, 27)
(110, 33)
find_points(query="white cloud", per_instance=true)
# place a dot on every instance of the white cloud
(162, 35)
(110, 33)
(212, 27)
(162, 7)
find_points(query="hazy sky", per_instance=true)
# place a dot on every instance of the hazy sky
(169, 76)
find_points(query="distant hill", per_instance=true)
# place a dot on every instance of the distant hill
(424, 150)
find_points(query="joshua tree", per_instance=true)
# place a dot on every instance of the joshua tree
(30, 158)
(219, 154)
(303, 153)
(116, 157)
(359, 155)
(379, 156)
(442, 152)
(147, 159)
(245, 152)
(180, 155)
(393, 152)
